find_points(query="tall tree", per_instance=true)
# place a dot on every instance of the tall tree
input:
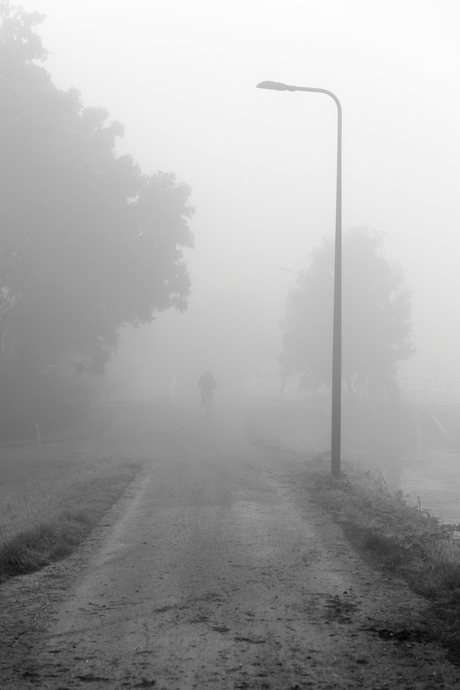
(376, 317)
(88, 242)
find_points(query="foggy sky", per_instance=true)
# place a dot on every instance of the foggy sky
(180, 75)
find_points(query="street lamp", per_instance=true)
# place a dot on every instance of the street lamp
(337, 318)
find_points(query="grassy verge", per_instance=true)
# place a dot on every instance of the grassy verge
(49, 505)
(404, 540)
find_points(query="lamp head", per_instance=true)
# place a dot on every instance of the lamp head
(274, 85)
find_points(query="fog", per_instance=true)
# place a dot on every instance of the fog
(180, 76)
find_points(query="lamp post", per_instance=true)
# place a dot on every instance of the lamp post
(337, 317)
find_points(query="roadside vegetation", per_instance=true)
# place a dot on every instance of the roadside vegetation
(404, 540)
(49, 504)
(70, 206)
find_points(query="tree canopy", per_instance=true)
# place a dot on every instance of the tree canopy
(376, 319)
(88, 242)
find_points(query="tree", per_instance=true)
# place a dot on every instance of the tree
(88, 242)
(376, 317)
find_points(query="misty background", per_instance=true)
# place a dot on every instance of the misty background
(180, 76)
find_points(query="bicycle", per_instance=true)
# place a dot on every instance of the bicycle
(208, 402)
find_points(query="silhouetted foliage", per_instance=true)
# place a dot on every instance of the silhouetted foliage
(376, 317)
(87, 241)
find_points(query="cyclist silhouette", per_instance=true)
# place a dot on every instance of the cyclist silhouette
(207, 383)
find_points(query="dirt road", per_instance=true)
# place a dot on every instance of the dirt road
(216, 570)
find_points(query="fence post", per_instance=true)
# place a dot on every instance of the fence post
(39, 441)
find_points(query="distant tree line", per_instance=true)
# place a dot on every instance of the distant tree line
(88, 242)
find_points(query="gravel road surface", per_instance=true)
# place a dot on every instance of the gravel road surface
(215, 570)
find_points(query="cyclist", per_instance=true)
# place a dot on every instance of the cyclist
(207, 383)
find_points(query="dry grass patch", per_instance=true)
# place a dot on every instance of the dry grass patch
(49, 505)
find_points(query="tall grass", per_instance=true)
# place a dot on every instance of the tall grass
(49, 504)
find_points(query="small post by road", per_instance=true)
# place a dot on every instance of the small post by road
(38, 439)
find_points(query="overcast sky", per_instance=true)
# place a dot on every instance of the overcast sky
(180, 75)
